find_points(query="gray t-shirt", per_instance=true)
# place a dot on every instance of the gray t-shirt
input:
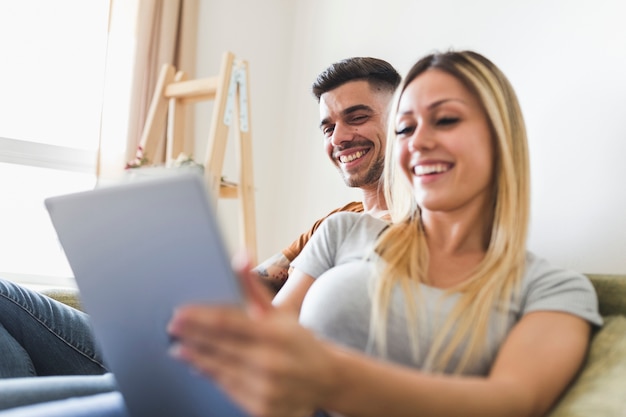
(338, 304)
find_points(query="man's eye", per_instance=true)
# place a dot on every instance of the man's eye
(359, 119)
(328, 130)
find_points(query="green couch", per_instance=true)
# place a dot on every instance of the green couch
(600, 388)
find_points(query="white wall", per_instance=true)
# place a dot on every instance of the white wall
(259, 32)
(566, 59)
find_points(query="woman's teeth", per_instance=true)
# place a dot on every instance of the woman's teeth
(431, 169)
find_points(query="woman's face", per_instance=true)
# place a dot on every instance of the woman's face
(445, 146)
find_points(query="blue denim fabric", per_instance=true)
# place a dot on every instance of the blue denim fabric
(19, 392)
(100, 405)
(40, 336)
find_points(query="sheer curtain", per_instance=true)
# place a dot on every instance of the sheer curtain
(143, 35)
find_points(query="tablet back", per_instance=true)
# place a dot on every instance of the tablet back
(138, 250)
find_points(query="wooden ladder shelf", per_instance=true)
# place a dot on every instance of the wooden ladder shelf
(230, 92)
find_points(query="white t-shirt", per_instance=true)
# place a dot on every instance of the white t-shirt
(338, 304)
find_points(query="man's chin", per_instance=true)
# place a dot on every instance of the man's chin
(353, 182)
(359, 179)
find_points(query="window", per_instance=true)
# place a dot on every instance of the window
(51, 81)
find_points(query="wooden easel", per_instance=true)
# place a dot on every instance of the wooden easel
(229, 90)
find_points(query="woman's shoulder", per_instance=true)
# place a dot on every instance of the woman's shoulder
(539, 269)
(549, 287)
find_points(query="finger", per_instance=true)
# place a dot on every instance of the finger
(227, 374)
(249, 386)
(257, 295)
(229, 367)
(207, 353)
(198, 322)
(253, 374)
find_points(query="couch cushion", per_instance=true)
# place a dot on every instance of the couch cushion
(611, 291)
(599, 389)
(68, 296)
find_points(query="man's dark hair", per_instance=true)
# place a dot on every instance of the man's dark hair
(380, 74)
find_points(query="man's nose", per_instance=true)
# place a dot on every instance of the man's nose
(342, 133)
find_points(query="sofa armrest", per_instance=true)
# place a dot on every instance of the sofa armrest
(66, 296)
(611, 290)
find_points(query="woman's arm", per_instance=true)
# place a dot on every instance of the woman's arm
(535, 364)
(291, 295)
(272, 366)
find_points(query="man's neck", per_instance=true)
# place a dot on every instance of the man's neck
(374, 202)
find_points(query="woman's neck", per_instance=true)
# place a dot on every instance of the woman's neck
(457, 243)
(453, 232)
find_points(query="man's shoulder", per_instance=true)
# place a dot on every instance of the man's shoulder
(346, 221)
(294, 249)
(353, 206)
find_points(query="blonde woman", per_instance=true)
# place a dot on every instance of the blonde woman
(444, 312)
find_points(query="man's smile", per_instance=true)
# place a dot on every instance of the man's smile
(346, 158)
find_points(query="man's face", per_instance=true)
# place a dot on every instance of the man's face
(354, 123)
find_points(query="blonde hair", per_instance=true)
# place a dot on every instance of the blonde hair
(402, 249)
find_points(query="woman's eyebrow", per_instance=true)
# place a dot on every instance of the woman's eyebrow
(443, 101)
(436, 104)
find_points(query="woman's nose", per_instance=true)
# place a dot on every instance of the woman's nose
(422, 139)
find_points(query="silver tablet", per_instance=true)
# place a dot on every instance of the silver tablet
(138, 250)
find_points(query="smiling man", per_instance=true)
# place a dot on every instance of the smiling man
(355, 97)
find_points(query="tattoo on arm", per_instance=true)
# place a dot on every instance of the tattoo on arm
(276, 267)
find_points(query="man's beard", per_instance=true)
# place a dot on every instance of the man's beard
(372, 176)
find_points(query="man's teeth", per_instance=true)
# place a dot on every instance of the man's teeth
(431, 169)
(344, 159)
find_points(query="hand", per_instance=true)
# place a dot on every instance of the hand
(262, 358)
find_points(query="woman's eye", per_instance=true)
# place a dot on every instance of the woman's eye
(404, 130)
(446, 121)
